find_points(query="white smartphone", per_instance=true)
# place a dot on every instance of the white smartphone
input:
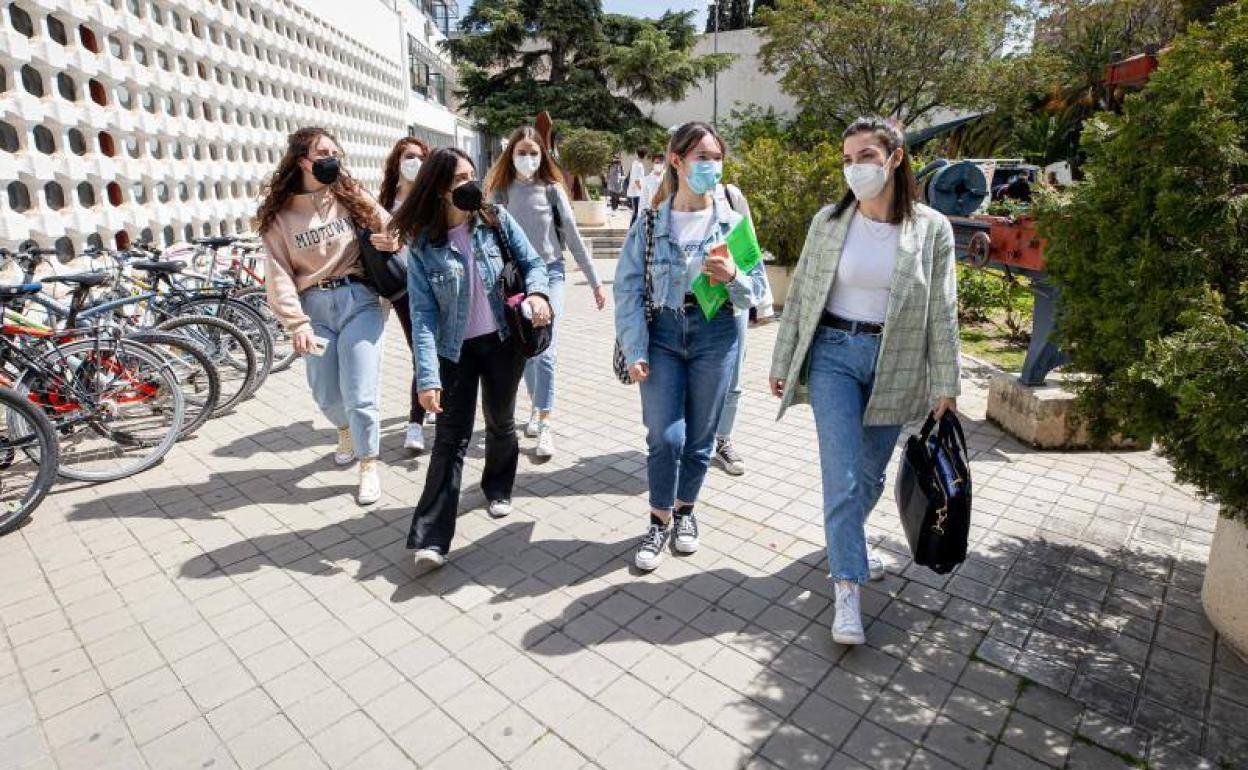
(318, 346)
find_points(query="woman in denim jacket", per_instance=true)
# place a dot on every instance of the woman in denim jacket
(683, 360)
(460, 337)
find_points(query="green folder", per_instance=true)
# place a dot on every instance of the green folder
(743, 246)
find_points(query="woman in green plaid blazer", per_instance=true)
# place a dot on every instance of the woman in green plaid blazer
(869, 338)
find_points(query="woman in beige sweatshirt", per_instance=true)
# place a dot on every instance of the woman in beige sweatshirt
(309, 218)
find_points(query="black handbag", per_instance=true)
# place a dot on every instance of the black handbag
(619, 362)
(530, 340)
(933, 494)
(385, 270)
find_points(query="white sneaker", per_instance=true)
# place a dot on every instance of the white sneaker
(345, 453)
(847, 625)
(650, 549)
(429, 558)
(727, 457)
(499, 508)
(531, 427)
(370, 482)
(875, 567)
(414, 441)
(545, 440)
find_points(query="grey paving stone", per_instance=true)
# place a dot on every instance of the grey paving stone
(1050, 706)
(1116, 736)
(990, 681)
(959, 744)
(877, 748)
(1085, 756)
(1036, 739)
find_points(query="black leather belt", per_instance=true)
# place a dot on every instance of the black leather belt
(853, 327)
(334, 283)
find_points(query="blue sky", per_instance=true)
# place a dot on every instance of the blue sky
(655, 8)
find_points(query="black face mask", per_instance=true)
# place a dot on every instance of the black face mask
(468, 197)
(326, 170)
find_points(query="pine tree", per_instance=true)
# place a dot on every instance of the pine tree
(733, 14)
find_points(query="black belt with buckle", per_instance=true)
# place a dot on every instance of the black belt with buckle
(853, 327)
(334, 283)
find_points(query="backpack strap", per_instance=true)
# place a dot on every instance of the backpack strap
(552, 197)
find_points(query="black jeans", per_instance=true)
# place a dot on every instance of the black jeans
(416, 413)
(634, 202)
(496, 366)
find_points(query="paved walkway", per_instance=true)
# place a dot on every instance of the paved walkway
(235, 608)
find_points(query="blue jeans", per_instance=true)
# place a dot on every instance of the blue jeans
(346, 378)
(691, 362)
(732, 401)
(852, 457)
(539, 371)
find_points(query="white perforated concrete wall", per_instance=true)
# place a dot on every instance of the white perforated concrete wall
(129, 119)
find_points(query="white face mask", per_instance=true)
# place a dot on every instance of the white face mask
(409, 168)
(866, 180)
(526, 165)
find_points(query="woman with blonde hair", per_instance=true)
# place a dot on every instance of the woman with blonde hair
(526, 180)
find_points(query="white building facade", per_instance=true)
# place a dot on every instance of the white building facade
(127, 120)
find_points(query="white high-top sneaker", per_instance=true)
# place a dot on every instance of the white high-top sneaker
(530, 428)
(370, 482)
(345, 453)
(847, 625)
(414, 440)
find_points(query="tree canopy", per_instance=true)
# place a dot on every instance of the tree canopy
(586, 67)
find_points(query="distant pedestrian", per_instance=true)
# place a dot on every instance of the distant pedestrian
(682, 360)
(636, 177)
(526, 181)
(869, 338)
(398, 179)
(616, 182)
(461, 337)
(650, 185)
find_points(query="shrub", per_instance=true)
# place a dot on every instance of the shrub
(585, 153)
(785, 188)
(1151, 257)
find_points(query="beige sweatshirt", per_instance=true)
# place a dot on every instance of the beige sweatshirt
(312, 239)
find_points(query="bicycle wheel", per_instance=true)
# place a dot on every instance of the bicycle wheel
(245, 318)
(228, 349)
(283, 344)
(116, 404)
(197, 375)
(28, 458)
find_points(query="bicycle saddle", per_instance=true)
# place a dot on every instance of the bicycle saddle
(215, 242)
(167, 266)
(79, 279)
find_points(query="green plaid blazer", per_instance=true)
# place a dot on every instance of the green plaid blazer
(918, 359)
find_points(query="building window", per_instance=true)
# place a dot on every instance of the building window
(135, 6)
(21, 20)
(145, 235)
(162, 58)
(77, 142)
(86, 195)
(43, 140)
(116, 47)
(155, 13)
(155, 148)
(138, 192)
(149, 102)
(19, 197)
(123, 98)
(184, 192)
(175, 19)
(188, 233)
(56, 30)
(66, 87)
(140, 54)
(32, 81)
(121, 239)
(94, 241)
(8, 137)
(178, 154)
(132, 147)
(54, 195)
(168, 235)
(162, 192)
(183, 66)
(4, 80)
(64, 248)
(108, 147)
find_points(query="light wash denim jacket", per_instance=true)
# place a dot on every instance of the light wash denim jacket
(670, 277)
(438, 296)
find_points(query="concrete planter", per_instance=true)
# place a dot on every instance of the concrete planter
(780, 278)
(1225, 592)
(590, 213)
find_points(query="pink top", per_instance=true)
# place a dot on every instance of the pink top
(480, 316)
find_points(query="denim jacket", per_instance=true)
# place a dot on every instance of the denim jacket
(438, 296)
(670, 280)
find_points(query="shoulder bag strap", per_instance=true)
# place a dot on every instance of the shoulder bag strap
(552, 197)
(648, 300)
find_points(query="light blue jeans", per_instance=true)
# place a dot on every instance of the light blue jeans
(852, 457)
(691, 362)
(346, 378)
(732, 402)
(539, 371)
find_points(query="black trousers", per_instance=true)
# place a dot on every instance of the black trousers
(496, 367)
(635, 204)
(416, 412)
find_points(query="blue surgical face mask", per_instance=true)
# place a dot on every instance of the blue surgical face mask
(704, 175)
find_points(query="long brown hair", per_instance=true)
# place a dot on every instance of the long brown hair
(683, 141)
(503, 172)
(424, 211)
(905, 190)
(287, 181)
(390, 170)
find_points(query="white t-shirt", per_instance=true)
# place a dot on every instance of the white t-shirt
(635, 176)
(864, 276)
(649, 187)
(689, 229)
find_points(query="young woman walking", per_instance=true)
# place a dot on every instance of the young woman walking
(398, 179)
(526, 181)
(461, 337)
(682, 360)
(310, 212)
(869, 338)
